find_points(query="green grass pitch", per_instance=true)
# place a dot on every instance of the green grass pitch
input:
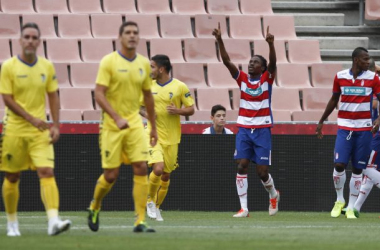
(201, 230)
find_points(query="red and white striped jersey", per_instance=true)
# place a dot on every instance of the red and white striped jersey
(356, 99)
(255, 100)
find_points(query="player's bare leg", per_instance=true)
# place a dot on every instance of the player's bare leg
(11, 194)
(268, 183)
(242, 187)
(50, 198)
(161, 194)
(154, 185)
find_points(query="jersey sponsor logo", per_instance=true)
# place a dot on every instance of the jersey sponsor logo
(154, 93)
(354, 91)
(254, 92)
(123, 70)
(187, 94)
(22, 76)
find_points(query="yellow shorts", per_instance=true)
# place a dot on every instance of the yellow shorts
(168, 154)
(20, 153)
(125, 146)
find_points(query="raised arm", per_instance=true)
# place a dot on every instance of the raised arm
(234, 71)
(331, 105)
(272, 52)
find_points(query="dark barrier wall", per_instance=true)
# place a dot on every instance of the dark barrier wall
(205, 181)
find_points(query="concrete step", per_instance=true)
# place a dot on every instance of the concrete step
(340, 42)
(318, 19)
(345, 55)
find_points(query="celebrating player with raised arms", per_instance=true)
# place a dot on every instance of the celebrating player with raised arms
(27, 138)
(253, 141)
(355, 87)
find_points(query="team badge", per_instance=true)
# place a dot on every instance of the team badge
(141, 71)
(170, 95)
(43, 77)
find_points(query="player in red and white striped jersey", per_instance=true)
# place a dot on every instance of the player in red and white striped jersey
(253, 141)
(355, 87)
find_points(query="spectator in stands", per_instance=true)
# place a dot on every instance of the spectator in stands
(218, 117)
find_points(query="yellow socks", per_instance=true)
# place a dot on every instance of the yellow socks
(140, 194)
(50, 196)
(101, 190)
(11, 196)
(162, 192)
(154, 184)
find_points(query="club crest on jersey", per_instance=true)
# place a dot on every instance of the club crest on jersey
(362, 83)
(354, 91)
(170, 95)
(141, 71)
(43, 77)
(254, 92)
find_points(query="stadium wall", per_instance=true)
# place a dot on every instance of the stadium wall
(205, 181)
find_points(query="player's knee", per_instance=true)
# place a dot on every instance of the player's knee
(339, 167)
(12, 177)
(111, 175)
(165, 177)
(357, 170)
(243, 165)
(262, 172)
(45, 172)
(140, 168)
(158, 169)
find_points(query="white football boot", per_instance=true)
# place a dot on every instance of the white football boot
(57, 226)
(273, 204)
(241, 214)
(12, 229)
(151, 210)
(158, 215)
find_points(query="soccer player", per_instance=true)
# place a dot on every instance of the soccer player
(356, 87)
(172, 99)
(253, 141)
(27, 138)
(123, 77)
(218, 117)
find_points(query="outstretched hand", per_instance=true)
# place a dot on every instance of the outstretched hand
(217, 33)
(269, 37)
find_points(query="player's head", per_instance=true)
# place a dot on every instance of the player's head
(218, 115)
(30, 38)
(129, 35)
(257, 65)
(160, 65)
(372, 65)
(360, 58)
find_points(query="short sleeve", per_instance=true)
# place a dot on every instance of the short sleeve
(376, 85)
(52, 84)
(104, 73)
(269, 77)
(186, 97)
(6, 86)
(147, 84)
(336, 86)
(241, 76)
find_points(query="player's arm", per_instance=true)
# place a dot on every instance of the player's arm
(331, 105)
(54, 112)
(234, 71)
(185, 111)
(100, 98)
(151, 115)
(272, 52)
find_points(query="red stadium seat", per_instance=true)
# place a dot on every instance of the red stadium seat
(62, 50)
(16, 48)
(219, 96)
(239, 50)
(282, 27)
(307, 116)
(286, 99)
(93, 50)
(141, 47)
(51, 6)
(9, 26)
(205, 24)
(70, 115)
(293, 75)
(62, 72)
(76, 98)
(153, 6)
(246, 27)
(170, 47)
(261, 47)
(304, 51)
(119, 6)
(5, 50)
(44, 21)
(219, 76)
(17, 7)
(372, 9)
(147, 25)
(223, 7)
(316, 98)
(257, 7)
(281, 116)
(190, 73)
(85, 6)
(189, 7)
(74, 26)
(323, 74)
(92, 115)
(200, 50)
(105, 26)
(176, 26)
(83, 75)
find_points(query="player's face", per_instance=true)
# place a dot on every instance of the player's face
(254, 66)
(29, 41)
(363, 60)
(219, 118)
(130, 37)
(155, 70)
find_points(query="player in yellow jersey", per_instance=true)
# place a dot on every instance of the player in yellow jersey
(172, 99)
(123, 77)
(27, 138)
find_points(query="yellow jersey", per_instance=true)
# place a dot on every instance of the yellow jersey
(125, 80)
(28, 83)
(169, 126)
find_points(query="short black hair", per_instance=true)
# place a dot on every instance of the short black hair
(31, 25)
(264, 62)
(216, 108)
(372, 65)
(358, 51)
(163, 61)
(125, 24)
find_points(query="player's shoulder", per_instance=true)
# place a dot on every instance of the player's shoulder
(367, 75)
(206, 131)
(109, 57)
(142, 58)
(9, 62)
(179, 83)
(344, 74)
(45, 62)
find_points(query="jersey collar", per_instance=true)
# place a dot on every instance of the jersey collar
(166, 83)
(126, 58)
(28, 64)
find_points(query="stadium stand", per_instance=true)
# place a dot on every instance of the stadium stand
(147, 24)
(5, 51)
(307, 116)
(246, 27)
(153, 6)
(218, 77)
(105, 26)
(85, 6)
(260, 47)
(51, 6)
(239, 50)
(93, 50)
(315, 98)
(76, 98)
(205, 24)
(322, 74)
(304, 51)
(190, 73)
(283, 116)
(372, 10)
(291, 75)
(83, 75)
(45, 23)
(62, 50)
(170, 47)
(176, 26)
(119, 6)
(200, 50)
(9, 26)
(224, 7)
(286, 100)
(74, 26)
(188, 7)
(220, 96)
(17, 7)
(262, 7)
(62, 72)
